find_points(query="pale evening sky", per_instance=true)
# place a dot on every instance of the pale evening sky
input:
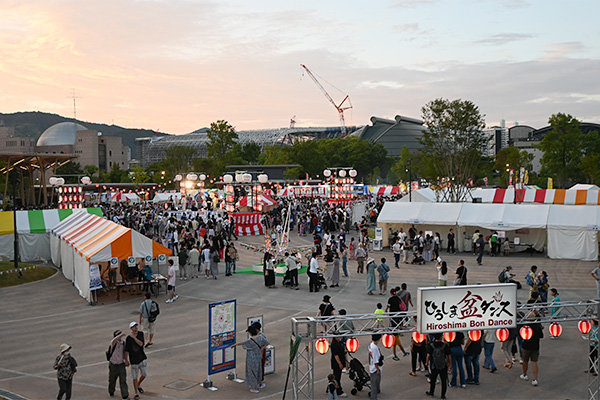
(176, 66)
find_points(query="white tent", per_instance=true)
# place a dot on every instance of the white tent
(584, 186)
(164, 197)
(426, 195)
(573, 232)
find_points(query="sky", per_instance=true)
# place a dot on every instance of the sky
(177, 65)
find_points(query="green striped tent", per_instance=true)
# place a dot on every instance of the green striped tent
(33, 227)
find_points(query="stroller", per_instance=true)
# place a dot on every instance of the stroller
(321, 282)
(358, 374)
(287, 279)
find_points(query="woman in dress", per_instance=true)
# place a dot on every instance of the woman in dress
(371, 267)
(269, 270)
(352, 249)
(253, 349)
(335, 275)
(214, 262)
(329, 265)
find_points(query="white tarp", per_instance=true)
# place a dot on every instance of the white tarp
(420, 195)
(573, 232)
(505, 217)
(164, 197)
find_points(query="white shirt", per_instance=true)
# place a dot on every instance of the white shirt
(314, 265)
(291, 262)
(374, 355)
(397, 248)
(171, 275)
(206, 255)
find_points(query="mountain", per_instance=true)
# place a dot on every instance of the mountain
(34, 123)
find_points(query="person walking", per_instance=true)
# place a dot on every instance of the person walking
(148, 312)
(397, 250)
(184, 272)
(457, 355)
(117, 365)
(65, 366)
(345, 260)
(383, 271)
(194, 260)
(313, 271)
(472, 352)
(335, 273)
(339, 362)
(375, 364)
(206, 259)
(438, 359)
(134, 346)
(461, 274)
(489, 341)
(269, 270)
(360, 258)
(531, 282)
(531, 350)
(371, 266)
(253, 360)
(451, 237)
(418, 353)
(480, 246)
(171, 277)
(442, 269)
(555, 303)
(214, 261)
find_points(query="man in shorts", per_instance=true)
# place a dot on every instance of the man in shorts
(145, 308)
(134, 346)
(531, 350)
(171, 277)
(393, 305)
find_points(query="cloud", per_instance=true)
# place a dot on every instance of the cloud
(563, 49)
(503, 38)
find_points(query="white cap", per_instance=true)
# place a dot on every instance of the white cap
(132, 324)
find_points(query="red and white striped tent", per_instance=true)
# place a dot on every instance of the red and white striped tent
(542, 196)
(385, 190)
(248, 224)
(262, 200)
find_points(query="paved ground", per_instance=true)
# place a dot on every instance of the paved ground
(36, 318)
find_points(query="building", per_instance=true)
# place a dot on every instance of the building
(498, 138)
(90, 146)
(152, 150)
(393, 134)
(9, 143)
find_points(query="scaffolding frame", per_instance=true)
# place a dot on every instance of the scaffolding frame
(314, 328)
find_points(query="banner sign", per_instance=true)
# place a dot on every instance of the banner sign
(114, 262)
(162, 259)
(131, 261)
(95, 278)
(463, 308)
(148, 259)
(221, 334)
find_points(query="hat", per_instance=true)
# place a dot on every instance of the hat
(370, 260)
(117, 333)
(509, 267)
(326, 297)
(375, 337)
(132, 324)
(64, 347)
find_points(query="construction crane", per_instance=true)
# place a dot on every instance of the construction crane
(340, 108)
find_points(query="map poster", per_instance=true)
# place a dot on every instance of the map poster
(95, 278)
(221, 334)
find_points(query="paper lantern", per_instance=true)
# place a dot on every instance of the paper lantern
(474, 335)
(502, 334)
(388, 340)
(449, 336)
(352, 344)
(203, 177)
(52, 180)
(191, 177)
(526, 332)
(555, 329)
(60, 181)
(322, 346)
(342, 173)
(85, 180)
(247, 178)
(263, 178)
(352, 173)
(584, 326)
(418, 337)
(178, 177)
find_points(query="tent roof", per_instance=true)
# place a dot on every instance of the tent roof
(38, 221)
(574, 217)
(504, 216)
(420, 195)
(583, 186)
(420, 213)
(98, 239)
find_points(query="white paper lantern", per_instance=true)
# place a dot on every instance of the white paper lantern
(247, 178)
(203, 177)
(353, 173)
(327, 173)
(342, 173)
(263, 178)
(60, 181)
(239, 178)
(52, 180)
(178, 177)
(86, 180)
(191, 177)
(228, 178)
(181, 184)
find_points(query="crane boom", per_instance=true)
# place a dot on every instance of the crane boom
(338, 107)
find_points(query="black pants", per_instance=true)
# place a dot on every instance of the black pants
(480, 255)
(112, 277)
(64, 387)
(337, 372)
(420, 351)
(443, 374)
(396, 260)
(312, 282)
(117, 371)
(451, 246)
(294, 277)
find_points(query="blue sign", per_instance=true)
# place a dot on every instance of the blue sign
(221, 334)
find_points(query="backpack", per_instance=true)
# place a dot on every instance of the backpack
(110, 352)
(502, 276)
(438, 356)
(153, 312)
(403, 306)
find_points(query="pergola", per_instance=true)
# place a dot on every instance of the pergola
(31, 163)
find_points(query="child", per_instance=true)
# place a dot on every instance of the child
(379, 310)
(331, 388)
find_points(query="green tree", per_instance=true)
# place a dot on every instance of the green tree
(400, 169)
(250, 152)
(116, 174)
(90, 170)
(138, 175)
(511, 158)
(178, 159)
(562, 149)
(221, 138)
(452, 144)
(71, 168)
(590, 163)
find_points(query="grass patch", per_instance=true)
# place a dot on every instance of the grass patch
(31, 273)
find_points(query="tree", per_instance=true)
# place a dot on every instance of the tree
(90, 170)
(138, 175)
(221, 138)
(178, 159)
(563, 150)
(590, 163)
(116, 174)
(452, 144)
(71, 168)
(400, 168)
(511, 158)
(250, 152)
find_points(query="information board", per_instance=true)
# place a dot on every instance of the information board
(221, 334)
(462, 308)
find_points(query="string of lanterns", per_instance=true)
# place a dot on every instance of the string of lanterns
(502, 334)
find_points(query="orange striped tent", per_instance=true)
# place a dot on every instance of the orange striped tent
(84, 239)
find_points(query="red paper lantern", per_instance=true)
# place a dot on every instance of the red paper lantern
(388, 340)
(526, 332)
(502, 334)
(555, 329)
(584, 326)
(352, 344)
(449, 336)
(474, 335)
(418, 337)
(322, 346)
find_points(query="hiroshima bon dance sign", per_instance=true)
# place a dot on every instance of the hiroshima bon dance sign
(462, 308)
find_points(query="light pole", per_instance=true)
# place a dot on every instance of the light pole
(15, 181)
(409, 170)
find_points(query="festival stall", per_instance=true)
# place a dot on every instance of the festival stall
(119, 197)
(426, 195)
(33, 228)
(263, 203)
(85, 239)
(573, 232)
(573, 196)
(384, 190)
(163, 197)
(248, 224)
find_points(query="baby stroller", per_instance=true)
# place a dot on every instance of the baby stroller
(358, 374)
(417, 259)
(321, 282)
(287, 278)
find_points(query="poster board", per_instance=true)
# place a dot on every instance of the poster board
(221, 336)
(95, 278)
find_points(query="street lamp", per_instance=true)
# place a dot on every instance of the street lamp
(409, 170)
